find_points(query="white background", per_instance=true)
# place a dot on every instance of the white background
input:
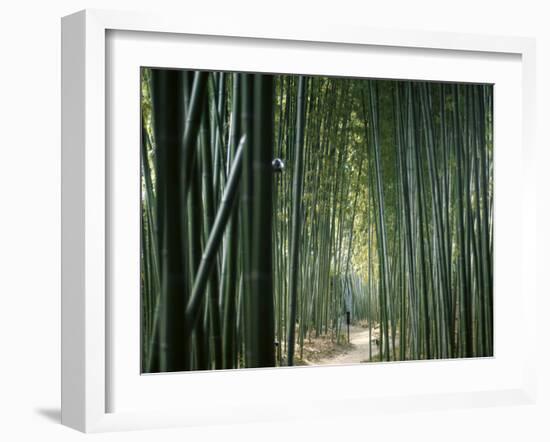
(30, 217)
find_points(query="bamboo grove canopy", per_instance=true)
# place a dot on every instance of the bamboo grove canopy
(272, 205)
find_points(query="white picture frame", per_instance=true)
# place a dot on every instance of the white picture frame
(87, 319)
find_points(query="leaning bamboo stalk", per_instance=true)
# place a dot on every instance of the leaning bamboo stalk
(214, 240)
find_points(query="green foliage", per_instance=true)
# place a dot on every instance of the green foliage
(384, 209)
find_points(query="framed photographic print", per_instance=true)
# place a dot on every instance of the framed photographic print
(249, 212)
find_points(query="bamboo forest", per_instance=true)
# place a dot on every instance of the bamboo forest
(294, 220)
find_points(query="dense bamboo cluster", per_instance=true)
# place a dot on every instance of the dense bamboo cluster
(274, 206)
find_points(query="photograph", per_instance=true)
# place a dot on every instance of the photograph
(293, 220)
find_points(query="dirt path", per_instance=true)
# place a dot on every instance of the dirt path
(359, 352)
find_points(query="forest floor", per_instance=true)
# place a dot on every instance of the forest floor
(323, 351)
